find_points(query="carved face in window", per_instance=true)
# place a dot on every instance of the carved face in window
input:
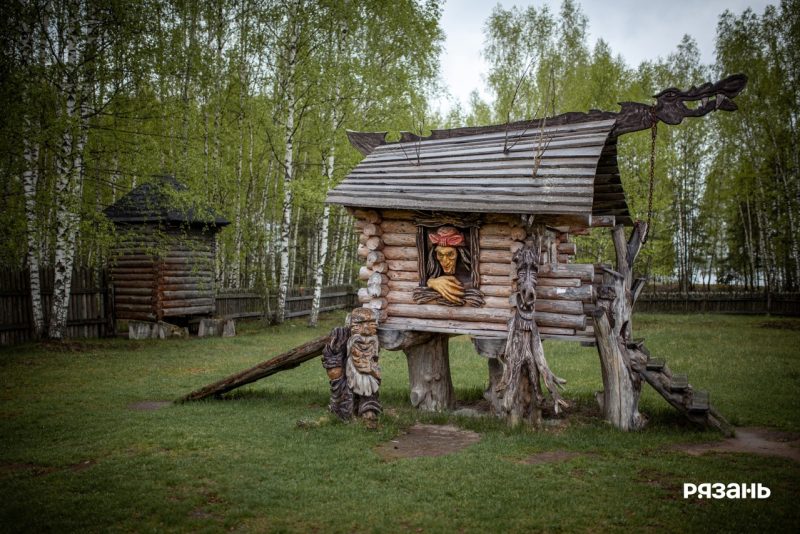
(447, 256)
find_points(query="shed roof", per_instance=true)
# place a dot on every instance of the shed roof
(157, 202)
(564, 165)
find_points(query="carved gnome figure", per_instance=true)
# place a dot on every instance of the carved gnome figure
(362, 369)
(351, 361)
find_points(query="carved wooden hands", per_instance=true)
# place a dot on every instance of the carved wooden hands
(449, 287)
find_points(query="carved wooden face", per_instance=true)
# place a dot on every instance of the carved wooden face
(447, 256)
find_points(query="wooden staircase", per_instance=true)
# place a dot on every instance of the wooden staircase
(676, 389)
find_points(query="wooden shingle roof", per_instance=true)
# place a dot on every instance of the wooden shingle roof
(555, 168)
(161, 201)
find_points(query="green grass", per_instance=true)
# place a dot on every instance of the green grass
(73, 456)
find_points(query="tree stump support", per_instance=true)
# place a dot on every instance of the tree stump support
(429, 374)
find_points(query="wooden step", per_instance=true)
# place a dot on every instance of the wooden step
(679, 382)
(700, 401)
(656, 364)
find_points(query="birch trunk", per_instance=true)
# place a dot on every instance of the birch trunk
(288, 171)
(70, 167)
(30, 178)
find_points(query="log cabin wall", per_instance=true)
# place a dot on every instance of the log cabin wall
(163, 273)
(387, 245)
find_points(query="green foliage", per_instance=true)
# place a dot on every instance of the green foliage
(75, 455)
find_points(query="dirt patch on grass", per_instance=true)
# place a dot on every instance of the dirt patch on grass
(148, 406)
(753, 440)
(427, 440)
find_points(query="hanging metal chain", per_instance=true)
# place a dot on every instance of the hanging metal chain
(653, 135)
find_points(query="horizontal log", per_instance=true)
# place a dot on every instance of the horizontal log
(433, 311)
(374, 243)
(376, 304)
(124, 263)
(403, 275)
(115, 271)
(493, 280)
(362, 239)
(146, 308)
(503, 230)
(377, 279)
(495, 269)
(497, 291)
(574, 270)
(370, 229)
(556, 331)
(370, 216)
(184, 271)
(128, 290)
(188, 310)
(187, 294)
(403, 265)
(495, 242)
(397, 215)
(144, 300)
(568, 248)
(395, 285)
(407, 297)
(560, 320)
(363, 295)
(400, 240)
(400, 253)
(185, 303)
(560, 282)
(135, 315)
(377, 290)
(362, 251)
(398, 227)
(569, 307)
(181, 279)
(122, 279)
(603, 221)
(495, 256)
(133, 284)
(380, 267)
(364, 273)
(374, 257)
(446, 326)
(584, 293)
(564, 258)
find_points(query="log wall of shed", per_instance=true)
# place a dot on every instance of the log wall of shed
(391, 271)
(159, 274)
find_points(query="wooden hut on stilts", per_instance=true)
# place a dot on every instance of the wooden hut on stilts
(470, 231)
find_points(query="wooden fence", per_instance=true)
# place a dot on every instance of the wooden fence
(717, 302)
(245, 303)
(89, 304)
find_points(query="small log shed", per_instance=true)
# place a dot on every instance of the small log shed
(162, 264)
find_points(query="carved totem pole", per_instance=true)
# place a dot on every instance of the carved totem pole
(524, 361)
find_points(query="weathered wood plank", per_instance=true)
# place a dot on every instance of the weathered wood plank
(282, 362)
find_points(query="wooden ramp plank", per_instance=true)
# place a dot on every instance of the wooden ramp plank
(282, 362)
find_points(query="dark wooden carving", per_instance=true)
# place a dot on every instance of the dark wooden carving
(670, 108)
(523, 359)
(333, 359)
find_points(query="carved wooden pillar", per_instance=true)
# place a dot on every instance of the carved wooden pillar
(429, 375)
